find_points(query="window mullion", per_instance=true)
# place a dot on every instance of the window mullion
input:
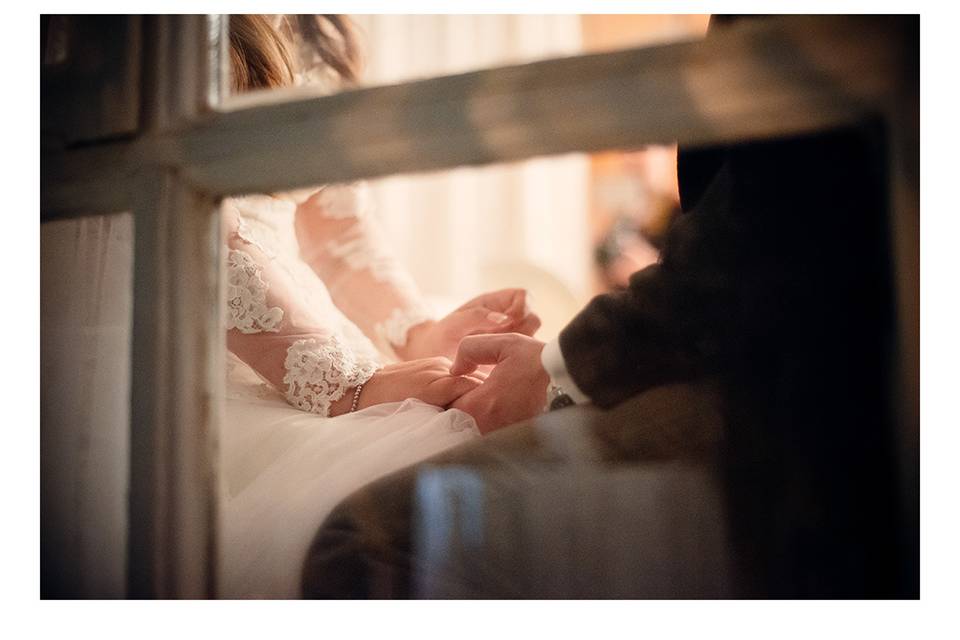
(177, 338)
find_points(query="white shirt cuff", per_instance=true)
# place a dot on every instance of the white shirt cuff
(552, 360)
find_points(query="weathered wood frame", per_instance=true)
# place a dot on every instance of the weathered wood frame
(774, 78)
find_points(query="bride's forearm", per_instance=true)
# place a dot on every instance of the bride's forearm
(425, 379)
(342, 406)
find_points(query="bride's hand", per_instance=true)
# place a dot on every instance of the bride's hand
(427, 379)
(504, 311)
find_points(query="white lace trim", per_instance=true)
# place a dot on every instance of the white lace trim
(320, 372)
(360, 251)
(247, 308)
(346, 201)
(394, 329)
(246, 233)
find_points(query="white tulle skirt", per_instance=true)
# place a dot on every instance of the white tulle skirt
(285, 470)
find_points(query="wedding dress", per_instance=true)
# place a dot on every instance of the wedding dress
(308, 319)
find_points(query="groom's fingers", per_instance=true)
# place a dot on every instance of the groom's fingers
(477, 350)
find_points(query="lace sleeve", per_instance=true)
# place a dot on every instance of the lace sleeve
(285, 342)
(341, 241)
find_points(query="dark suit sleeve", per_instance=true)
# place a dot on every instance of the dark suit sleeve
(660, 329)
(626, 341)
(746, 268)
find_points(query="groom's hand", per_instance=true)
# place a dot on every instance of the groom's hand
(507, 310)
(515, 390)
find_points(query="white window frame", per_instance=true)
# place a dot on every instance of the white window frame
(191, 152)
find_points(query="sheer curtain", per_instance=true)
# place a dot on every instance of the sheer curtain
(471, 229)
(86, 304)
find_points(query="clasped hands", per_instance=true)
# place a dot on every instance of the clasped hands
(445, 363)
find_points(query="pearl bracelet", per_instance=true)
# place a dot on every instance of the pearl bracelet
(356, 398)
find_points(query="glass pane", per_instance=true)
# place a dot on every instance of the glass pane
(86, 270)
(563, 227)
(536, 225)
(90, 77)
(470, 230)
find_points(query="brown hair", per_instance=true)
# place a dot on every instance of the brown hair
(264, 56)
